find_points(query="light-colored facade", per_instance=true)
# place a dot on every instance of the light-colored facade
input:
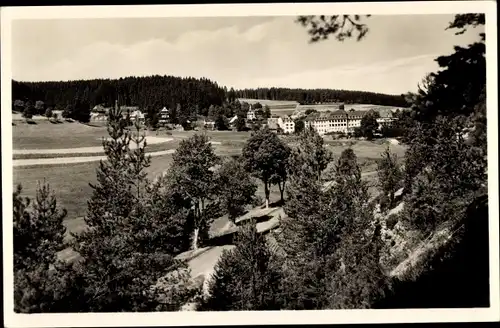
(164, 115)
(340, 121)
(386, 118)
(286, 124)
(272, 123)
(137, 115)
(251, 115)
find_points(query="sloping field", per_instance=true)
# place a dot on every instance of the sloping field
(151, 140)
(270, 103)
(46, 135)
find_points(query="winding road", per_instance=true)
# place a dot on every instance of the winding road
(81, 150)
(73, 160)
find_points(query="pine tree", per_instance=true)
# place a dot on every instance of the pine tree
(245, 278)
(307, 237)
(312, 148)
(359, 281)
(389, 175)
(39, 232)
(40, 280)
(121, 240)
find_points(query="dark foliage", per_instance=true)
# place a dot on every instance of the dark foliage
(457, 275)
(310, 96)
(153, 92)
(340, 26)
(245, 278)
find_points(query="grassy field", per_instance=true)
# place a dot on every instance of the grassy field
(269, 103)
(45, 135)
(71, 182)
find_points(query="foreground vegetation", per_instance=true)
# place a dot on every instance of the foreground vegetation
(333, 250)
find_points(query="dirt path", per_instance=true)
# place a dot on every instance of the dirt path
(151, 140)
(73, 160)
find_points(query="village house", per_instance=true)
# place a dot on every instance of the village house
(251, 114)
(137, 115)
(286, 124)
(209, 123)
(164, 116)
(386, 117)
(100, 113)
(339, 121)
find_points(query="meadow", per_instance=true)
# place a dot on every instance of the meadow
(71, 182)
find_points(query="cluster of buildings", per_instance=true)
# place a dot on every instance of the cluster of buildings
(100, 113)
(327, 121)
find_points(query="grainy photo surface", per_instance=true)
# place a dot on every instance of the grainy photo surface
(259, 162)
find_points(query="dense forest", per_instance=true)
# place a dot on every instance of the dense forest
(152, 92)
(195, 96)
(310, 96)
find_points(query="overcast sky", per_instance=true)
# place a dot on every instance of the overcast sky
(240, 52)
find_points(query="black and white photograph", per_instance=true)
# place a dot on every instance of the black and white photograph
(198, 163)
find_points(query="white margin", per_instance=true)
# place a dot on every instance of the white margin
(8, 14)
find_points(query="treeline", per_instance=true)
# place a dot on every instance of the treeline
(191, 96)
(311, 96)
(152, 92)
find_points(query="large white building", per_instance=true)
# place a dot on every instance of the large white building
(342, 121)
(286, 124)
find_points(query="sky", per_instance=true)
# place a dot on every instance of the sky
(239, 52)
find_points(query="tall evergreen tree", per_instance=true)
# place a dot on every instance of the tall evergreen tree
(245, 278)
(121, 239)
(40, 282)
(312, 148)
(389, 175)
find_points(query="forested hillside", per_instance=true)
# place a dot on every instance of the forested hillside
(145, 92)
(308, 96)
(194, 96)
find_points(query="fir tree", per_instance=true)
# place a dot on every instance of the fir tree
(41, 282)
(121, 240)
(245, 278)
(389, 175)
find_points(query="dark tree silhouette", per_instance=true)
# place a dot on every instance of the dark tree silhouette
(340, 26)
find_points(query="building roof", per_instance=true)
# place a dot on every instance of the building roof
(338, 114)
(233, 119)
(286, 118)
